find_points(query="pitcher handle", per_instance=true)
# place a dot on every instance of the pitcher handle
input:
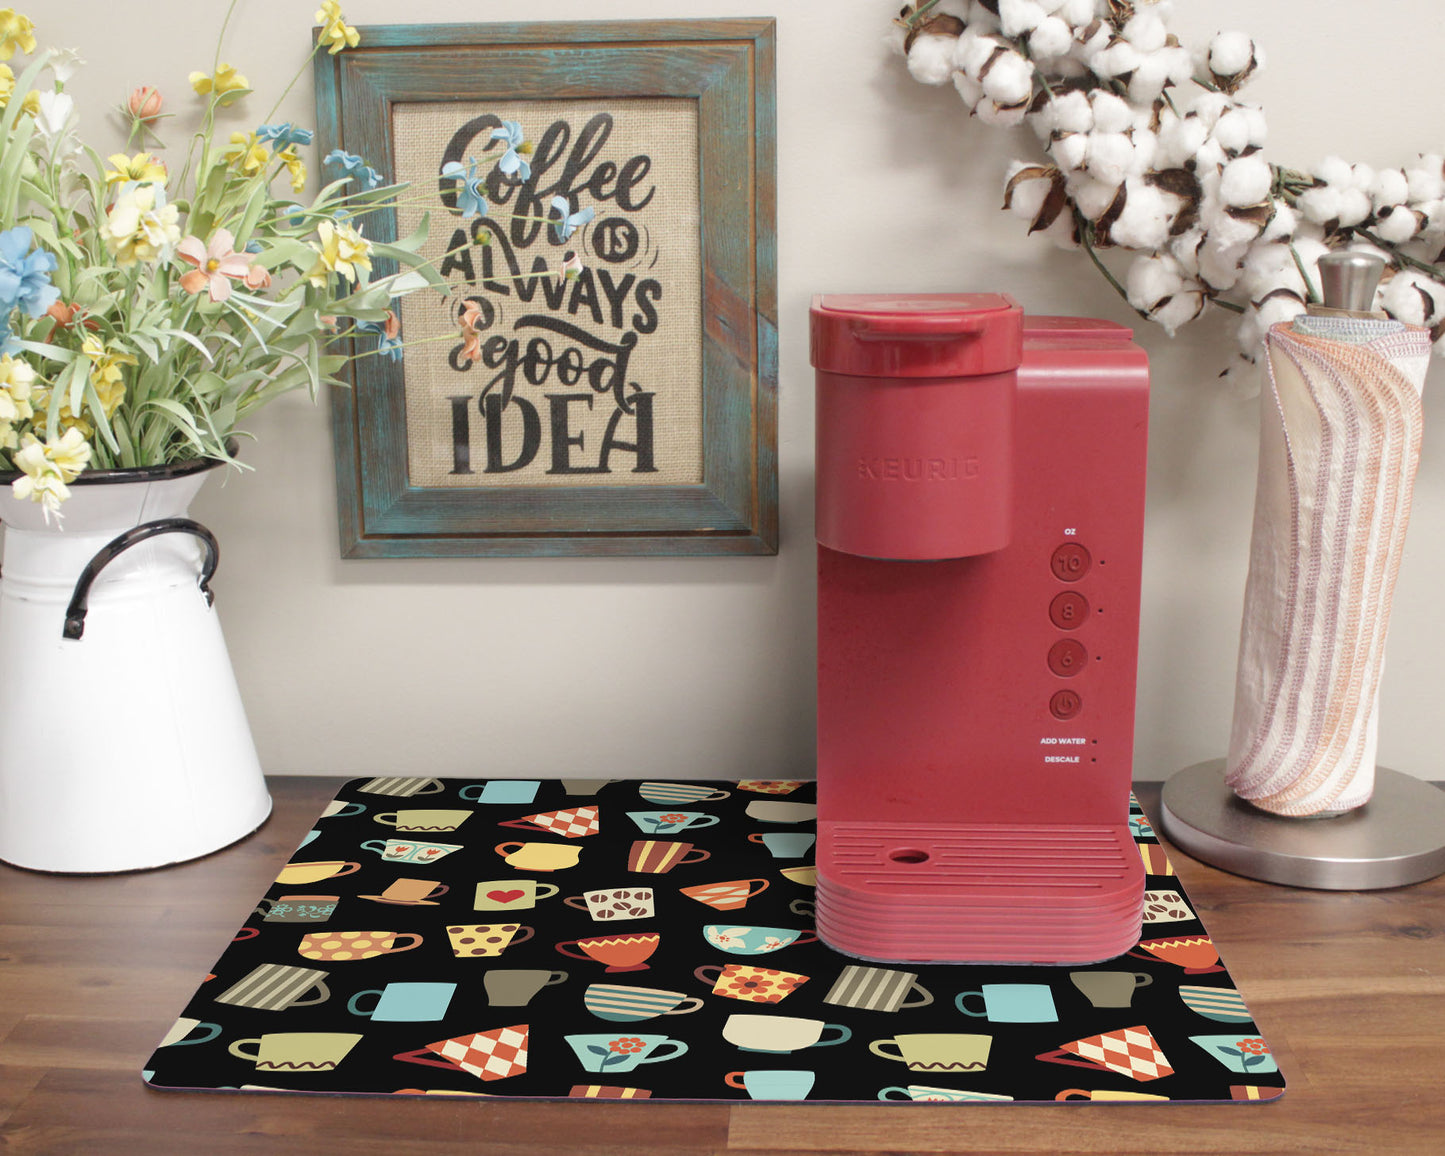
(76, 611)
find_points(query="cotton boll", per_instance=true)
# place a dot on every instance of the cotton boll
(930, 60)
(1226, 229)
(1179, 140)
(1334, 171)
(1111, 113)
(1152, 279)
(1092, 39)
(1118, 58)
(1147, 83)
(1050, 7)
(1092, 197)
(1322, 204)
(1220, 266)
(1016, 17)
(981, 18)
(1433, 213)
(1079, 13)
(1052, 38)
(1390, 188)
(1185, 249)
(1071, 152)
(1413, 298)
(1258, 127)
(1071, 112)
(1282, 305)
(1282, 225)
(1145, 219)
(1354, 207)
(1146, 31)
(968, 88)
(1398, 223)
(1232, 131)
(1245, 181)
(1229, 53)
(1146, 147)
(972, 53)
(1427, 179)
(1362, 177)
(1026, 195)
(1000, 116)
(1179, 62)
(1111, 156)
(1009, 80)
(1210, 158)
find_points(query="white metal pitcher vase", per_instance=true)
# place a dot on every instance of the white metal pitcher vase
(123, 741)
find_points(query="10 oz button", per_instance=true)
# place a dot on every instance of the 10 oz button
(1070, 562)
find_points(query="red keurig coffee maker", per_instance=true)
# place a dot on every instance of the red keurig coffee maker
(980, 516)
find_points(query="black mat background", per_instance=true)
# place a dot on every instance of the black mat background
(844, 1072)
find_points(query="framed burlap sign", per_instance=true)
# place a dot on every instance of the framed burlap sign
(601, 375)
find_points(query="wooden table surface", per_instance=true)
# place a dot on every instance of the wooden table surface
(1349, 988)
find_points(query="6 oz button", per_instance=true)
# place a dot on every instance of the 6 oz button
(1070, 562)
(1067, 657)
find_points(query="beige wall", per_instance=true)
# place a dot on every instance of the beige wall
(697, 667)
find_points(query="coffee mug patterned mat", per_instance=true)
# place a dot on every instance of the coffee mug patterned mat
(616, 939)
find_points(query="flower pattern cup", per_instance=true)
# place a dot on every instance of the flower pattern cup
(746, 982)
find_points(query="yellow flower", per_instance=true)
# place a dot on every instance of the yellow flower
(16, 31)
(105, 372)
(137, 229)
(342, 250)
(17, 380)
(226, 81)
(47, 467)
(247, 153)
(336, 34)
(142, 168)
(40, 403)
(295, 166)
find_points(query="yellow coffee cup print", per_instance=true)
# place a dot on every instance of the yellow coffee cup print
(346, 946)
(539, 856)
(478, 940)
(294, 873)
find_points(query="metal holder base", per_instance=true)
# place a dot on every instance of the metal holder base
(1395, 839)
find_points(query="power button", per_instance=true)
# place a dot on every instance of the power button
(1065, 704)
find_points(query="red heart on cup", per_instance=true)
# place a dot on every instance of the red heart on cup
(505, 896)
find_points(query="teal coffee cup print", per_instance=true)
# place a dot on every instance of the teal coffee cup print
(621, 1052)
(622, 1004)
(180, 1033)
(772, 1084)
(409, 851)
(298, 908)
(754, 940)
(403, 1002)
(670, 822)
(1239, 1052)
(1010, 1003)
(516, 792)
(785, 844)
(336, 809)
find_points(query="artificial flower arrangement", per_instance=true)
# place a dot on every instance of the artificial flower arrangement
(1150, 149)
(148, 306)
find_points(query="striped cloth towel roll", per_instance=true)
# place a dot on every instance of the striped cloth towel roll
(1339, 444)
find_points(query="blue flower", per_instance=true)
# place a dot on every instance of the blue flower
(511, 164)
(570, 222)
(355, 166)
(469, 196)
(25, 275)
(389, 331)
(282, 135)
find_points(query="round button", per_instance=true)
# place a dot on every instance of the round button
(1070, 562)
(1068, 610)
(1067, 657)
(1065, 704)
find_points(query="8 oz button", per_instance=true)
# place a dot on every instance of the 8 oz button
(1068, 610)
(1070, 562)
(1067, 657)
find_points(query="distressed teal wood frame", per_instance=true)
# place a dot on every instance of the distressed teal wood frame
(728, 67)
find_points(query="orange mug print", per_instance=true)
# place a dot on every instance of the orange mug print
(340, 946)
(727, 896)
(744, 981)
(1196, 954)
(618, 952)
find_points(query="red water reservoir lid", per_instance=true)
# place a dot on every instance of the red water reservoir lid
(916, 334)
